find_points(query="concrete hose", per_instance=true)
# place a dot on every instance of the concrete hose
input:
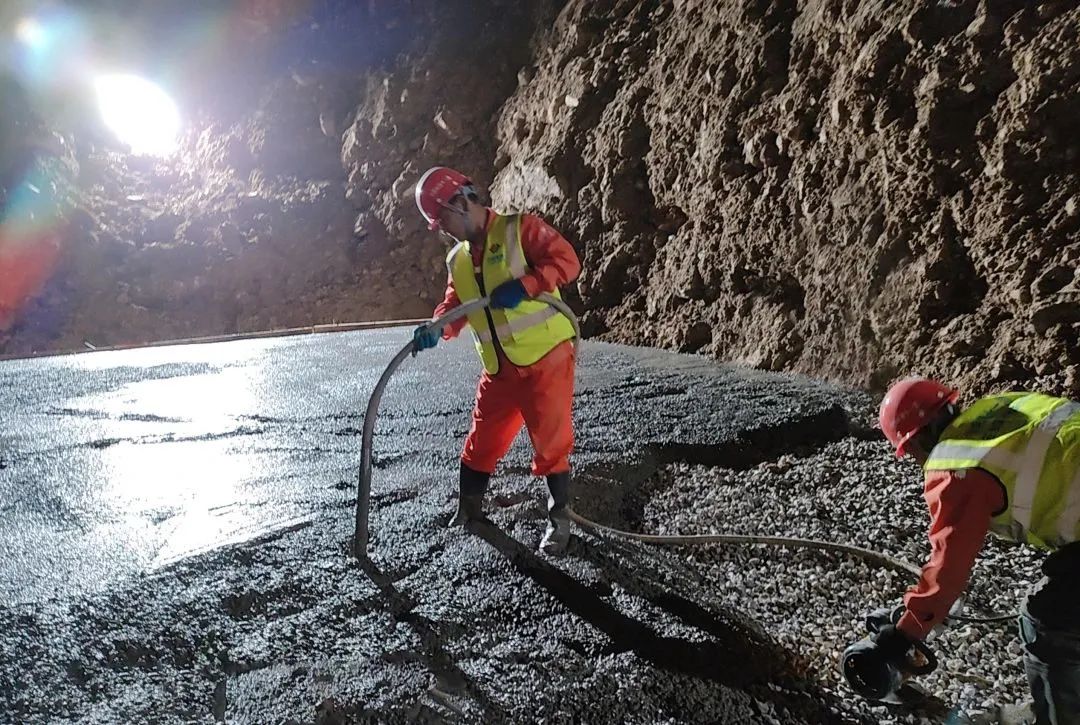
(870, 555)
(361, 535)
(363, 490)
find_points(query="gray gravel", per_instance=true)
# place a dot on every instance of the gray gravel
(852, 491)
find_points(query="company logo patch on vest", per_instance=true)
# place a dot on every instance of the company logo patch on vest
(494, 252)
(525, 333)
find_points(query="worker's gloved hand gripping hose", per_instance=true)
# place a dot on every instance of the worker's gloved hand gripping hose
(360, 538)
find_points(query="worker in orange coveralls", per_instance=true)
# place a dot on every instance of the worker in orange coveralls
(525, 345)
(1008, 464)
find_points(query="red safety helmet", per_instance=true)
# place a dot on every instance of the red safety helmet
(909, 406)
(436, 188)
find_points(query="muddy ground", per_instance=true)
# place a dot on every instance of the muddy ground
(123, 471)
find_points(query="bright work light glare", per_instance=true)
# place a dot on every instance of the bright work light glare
(139, 113)
(30, 32)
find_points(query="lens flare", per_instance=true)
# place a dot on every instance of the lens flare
(30, 32)
(139, 112)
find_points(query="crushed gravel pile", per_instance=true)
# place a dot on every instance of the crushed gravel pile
(855, 492)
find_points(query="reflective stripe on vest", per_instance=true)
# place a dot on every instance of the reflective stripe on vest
(518, 324)
(515, 255)
(947, 451)
(1027, 478)
(1012, 436)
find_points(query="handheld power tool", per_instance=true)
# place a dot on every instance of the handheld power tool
(876, 673)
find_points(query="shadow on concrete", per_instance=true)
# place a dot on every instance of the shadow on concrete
(727, 661)
(632, 569)
(739, 655)
(450, 681)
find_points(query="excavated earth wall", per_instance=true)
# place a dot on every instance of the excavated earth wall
(295, 208)
(854, 190)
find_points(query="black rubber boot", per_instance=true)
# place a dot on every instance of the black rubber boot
(557, 535)
(472, 485)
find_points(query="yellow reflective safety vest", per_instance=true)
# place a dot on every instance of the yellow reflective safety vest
(1031, 443)
(525, 333)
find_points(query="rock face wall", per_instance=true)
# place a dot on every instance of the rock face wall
(851, 189)
(297, 209)
(855, 190)
(438, 105)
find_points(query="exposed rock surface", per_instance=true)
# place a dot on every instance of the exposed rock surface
(297, 209)
(851, 190)
(854, 190)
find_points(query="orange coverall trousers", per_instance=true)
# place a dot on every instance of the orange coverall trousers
(540, 396)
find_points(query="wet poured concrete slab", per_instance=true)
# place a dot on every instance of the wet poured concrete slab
(174, 529)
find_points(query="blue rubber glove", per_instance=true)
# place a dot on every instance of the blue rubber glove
(423, 338)
(508, 294)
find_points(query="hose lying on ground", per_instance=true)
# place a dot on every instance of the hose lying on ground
(874, 557)
(363, 498)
